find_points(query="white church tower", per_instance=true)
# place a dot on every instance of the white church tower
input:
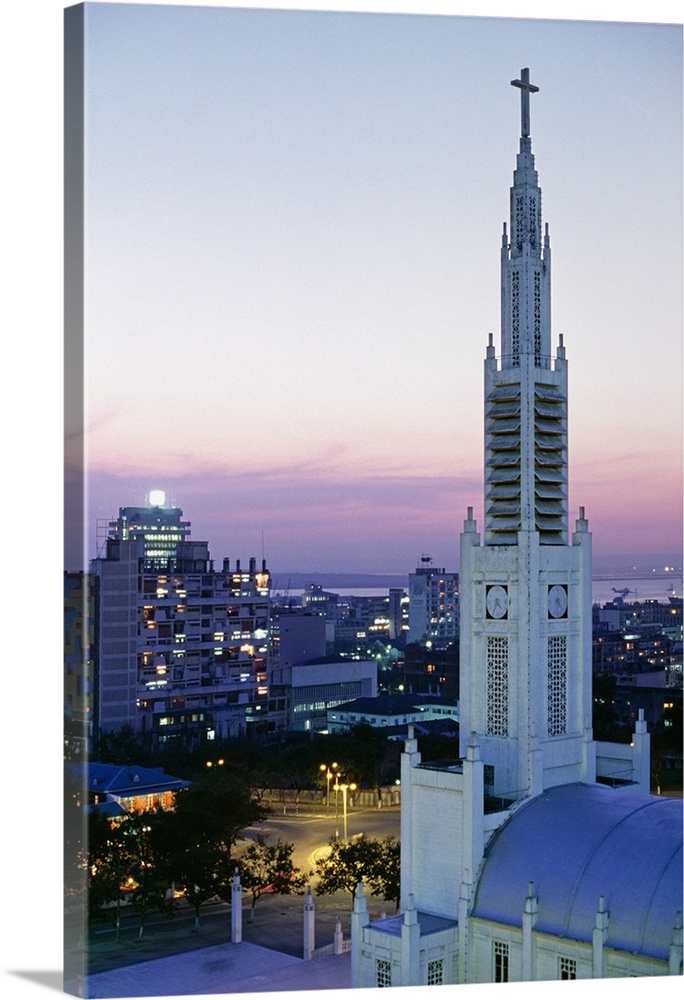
(526, 593)
(538, 854)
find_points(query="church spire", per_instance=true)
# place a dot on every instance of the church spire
(526, 393)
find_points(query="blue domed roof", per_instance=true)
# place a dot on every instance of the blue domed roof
(577, 843)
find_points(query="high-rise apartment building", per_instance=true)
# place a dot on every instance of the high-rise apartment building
(433, 605)
(160, 527)
(182, 646)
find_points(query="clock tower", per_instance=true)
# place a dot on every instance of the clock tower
(539, 853)
(526, 586)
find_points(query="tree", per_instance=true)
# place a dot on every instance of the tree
(359, 860)
(107, 869)
(146, 862)
(666, 745)
(388, 884)
(266, 869)
(121, 747)
(372, 759)
(75, 835)
(199, 835)
(197, 859)
(217, 809)
(202, 871)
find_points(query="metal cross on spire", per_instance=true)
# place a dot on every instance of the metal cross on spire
(526, 88)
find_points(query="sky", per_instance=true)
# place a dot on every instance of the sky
(293, 222)
(595, 218)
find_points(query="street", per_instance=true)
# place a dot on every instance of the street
(311, 831)
(277, 920)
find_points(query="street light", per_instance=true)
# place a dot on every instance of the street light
(329, 776)
(343, 788)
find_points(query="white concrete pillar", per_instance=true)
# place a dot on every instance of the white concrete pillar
(309, 925)
(675, 964)
(473, 806)
(582, 606)
(463, 913)
(236, 909)
(641, 754)
(529, 919)
(410, 759)
(598, 938)
(359, 920)
(536, 766)
(337, 937)
(589, 758)
(410, 947)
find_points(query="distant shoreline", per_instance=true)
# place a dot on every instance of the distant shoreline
(344, 581)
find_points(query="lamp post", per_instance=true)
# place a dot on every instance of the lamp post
(344, 788)
(328, 777)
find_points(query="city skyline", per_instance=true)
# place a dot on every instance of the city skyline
(33, 180)
(292, 267)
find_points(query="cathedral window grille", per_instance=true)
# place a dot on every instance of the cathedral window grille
(537, 318)
(497, 686)
(500, 961)
(567, 968)
(435, 972)
(383, 973)
(557, 685)
(515, 317)
(519, 221)
(533, 223)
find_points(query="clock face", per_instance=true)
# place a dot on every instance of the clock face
(497, 601)
(558, 601)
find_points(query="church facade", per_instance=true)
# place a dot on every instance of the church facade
(539, 854)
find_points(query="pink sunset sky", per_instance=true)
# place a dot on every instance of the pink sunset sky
(292, 266)
(359, 265)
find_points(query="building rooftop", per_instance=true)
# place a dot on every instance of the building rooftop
(124, 780)
(576, 843)
(395, 704)
(429, 924)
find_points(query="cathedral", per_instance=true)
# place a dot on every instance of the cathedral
(539, 854)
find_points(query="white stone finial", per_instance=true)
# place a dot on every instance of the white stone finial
(410, 913)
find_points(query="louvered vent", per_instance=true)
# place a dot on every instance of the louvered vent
(503, 420)
(550, 481)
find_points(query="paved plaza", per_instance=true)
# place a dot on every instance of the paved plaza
(226, 968)
(171, 961)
